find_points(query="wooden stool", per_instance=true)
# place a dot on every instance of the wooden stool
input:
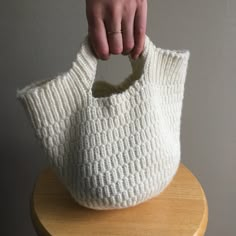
(181, 209)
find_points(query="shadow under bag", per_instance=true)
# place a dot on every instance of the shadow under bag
(113, 146)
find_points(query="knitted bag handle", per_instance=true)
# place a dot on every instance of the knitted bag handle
(51, 100)
(85, 65)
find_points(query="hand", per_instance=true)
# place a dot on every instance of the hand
(107, 16)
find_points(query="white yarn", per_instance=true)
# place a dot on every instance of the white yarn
(118, 150)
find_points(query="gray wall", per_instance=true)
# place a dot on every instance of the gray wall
(40, 38)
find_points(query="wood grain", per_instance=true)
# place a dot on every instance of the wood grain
(181, 209)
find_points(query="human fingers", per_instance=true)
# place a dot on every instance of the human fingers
(127, 26)
(97, 31)
(113, 28)
(140, 21)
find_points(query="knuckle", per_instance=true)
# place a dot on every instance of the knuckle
(93, 14)
(129, 7)
(94, 10)
(140, 2)
(114, 11)
(140, 31)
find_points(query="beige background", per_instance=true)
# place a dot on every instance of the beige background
(40, 38)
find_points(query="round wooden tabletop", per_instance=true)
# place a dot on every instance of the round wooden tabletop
(181, 209)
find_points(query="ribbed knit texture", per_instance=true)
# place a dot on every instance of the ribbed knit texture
(113, 146)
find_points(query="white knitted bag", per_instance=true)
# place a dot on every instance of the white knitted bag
(113, 146)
